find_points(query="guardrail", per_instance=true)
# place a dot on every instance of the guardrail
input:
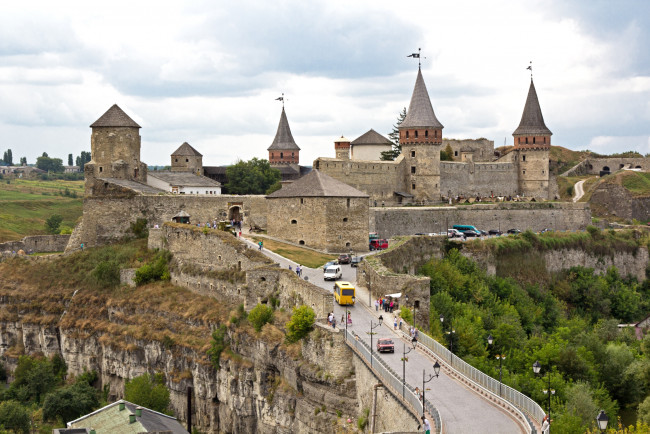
(522, 402)
(392, 381)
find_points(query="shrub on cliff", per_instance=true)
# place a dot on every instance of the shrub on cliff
(260, 315)
(156, 270)
(139, 228)
(107, 274)
(148, 391)
(219, 338)
(70, 402)
(300, 324)
(14, 416)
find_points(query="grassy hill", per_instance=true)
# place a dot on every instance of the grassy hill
(26, 204)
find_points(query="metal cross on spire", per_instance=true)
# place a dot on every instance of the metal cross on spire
(417, 56)
(530, 67)
(281, 99)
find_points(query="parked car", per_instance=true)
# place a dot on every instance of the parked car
(495, 232)
(543, 231)
(344, 259)
(378, 244)
(471, 233)
(356, 261)
(327, 264)
(333, 272)
(514, 231)
(484, 233)
(455, 233)
(385, 345)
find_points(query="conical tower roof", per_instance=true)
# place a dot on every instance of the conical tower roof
(420, 112)
(532, 121)
(186, 150)
(115, 117)
(283, 138)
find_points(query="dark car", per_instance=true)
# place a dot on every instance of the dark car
(495, 232)
(471, 234)
(514, 231)
(344, 259)
(354, 262)
(385, 345)
(327, 264)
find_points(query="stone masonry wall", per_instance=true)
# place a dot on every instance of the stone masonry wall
(611, 199)
(107, 219)
(593, 166)
(483, 148)
(390, 222)
(477, 179)
(37, 244)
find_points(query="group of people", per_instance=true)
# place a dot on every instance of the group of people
(385, 304)
(298, 269)
(331, 319)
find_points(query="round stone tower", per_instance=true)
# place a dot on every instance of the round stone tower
(342, 148)
(532, 149)
(421, 138)
(115, 149)
(284, 150)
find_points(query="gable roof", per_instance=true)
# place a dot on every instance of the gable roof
(420, 112)
(115, 117)
(371, 137)
(186, 150)
(317, 184)
(532, 121)
(283, 139)
(112, 419)
(183, 179)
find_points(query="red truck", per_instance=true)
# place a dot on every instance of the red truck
(378, 244)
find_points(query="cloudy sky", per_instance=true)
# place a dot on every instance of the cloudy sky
(208, 72)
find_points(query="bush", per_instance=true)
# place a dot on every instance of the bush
(148, 391)
(107, 274)
(260, 315)
(52, 224)
(139, 228)
(407, 315)
(68, 403)
(300, 324)
(14, 416)
(219, 338)
(157, 270)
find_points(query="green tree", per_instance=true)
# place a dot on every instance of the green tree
(23, 161)
(82, 159)
(70, 402)
(49, 164)
(300, 324)
(394, 137)
(8, 158)
(148, 391)
(70, 162)
(447, 154)
(219, 343)
(255, 176)
(260, 315)
(53, 223)
(156, 270)
(14, 416)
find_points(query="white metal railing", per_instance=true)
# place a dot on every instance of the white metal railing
(390, 378)
(525, 404)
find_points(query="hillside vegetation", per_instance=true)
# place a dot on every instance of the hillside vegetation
(27, 204)
(567, 321)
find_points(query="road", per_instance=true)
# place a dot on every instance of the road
(578, 191)
(461, 409)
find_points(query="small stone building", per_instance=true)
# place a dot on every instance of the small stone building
(369, 146)
(187, 159)
(321, 212)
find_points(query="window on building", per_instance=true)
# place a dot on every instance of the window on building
(345, 219)
(533, 140)
(426, 133)
(416, 134)
(101, 169)
(544, 140)
(347, 244)
(435, 134)
(524, 172)
(294, 222)
(523, 158)
(526, 140)
(407, 134)
(412, 154)
(175, 160)
(455, 153)
(281, 154)
(348, 202)
(412, 169)
(412, 186)
(302, 201)
(301, 242)
(187, 160)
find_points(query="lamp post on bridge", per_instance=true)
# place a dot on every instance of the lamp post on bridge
(404, 360)
(372, 327)
(436, 370)
(536, 368)
(500, 358)
(451, 333)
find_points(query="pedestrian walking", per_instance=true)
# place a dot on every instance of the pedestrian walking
(342, 318)
(260, 244)
(381, 303)
(349, 319)
(394, 323)
(400, 323)
(376, 305)
(333, 322)
(546, 425)
(426, 425)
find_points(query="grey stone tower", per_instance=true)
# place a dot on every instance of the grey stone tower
(187, 159)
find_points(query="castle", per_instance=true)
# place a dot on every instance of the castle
(418, 175)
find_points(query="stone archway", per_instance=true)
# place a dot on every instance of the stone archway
(235, 213)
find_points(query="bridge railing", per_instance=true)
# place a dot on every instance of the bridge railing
(392, 381)
(522, 402)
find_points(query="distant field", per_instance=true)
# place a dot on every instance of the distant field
(26, 204)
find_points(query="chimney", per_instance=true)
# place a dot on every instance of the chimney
(132, 418)
(138, 411)
(122, 406)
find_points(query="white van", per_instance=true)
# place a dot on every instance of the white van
(333, 272)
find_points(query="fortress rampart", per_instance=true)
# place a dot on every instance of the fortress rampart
(478, 179)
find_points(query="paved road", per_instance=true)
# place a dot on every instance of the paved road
(461, 410)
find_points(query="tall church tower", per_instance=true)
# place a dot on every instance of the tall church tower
(421, 138)
(532, 148)
(284, 150)
(115, 149)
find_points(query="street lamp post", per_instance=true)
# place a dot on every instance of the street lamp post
(372, 327)
(404, 360)
(436, 370)
(536, 368)
(602, 420)
(451, 333)
(500, 358)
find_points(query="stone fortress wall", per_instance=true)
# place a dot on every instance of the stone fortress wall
(483, 149)
(390, 222)
(470, 179)
(593, 166)
(37, 244)
(216, 264)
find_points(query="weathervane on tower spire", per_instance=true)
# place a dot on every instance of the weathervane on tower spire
(530, 67)
(417, 56)
(281, 98)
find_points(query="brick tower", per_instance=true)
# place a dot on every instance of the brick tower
(421, 138)
(115, 149)
(284, 150)
(342, 148)
(532, 148)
